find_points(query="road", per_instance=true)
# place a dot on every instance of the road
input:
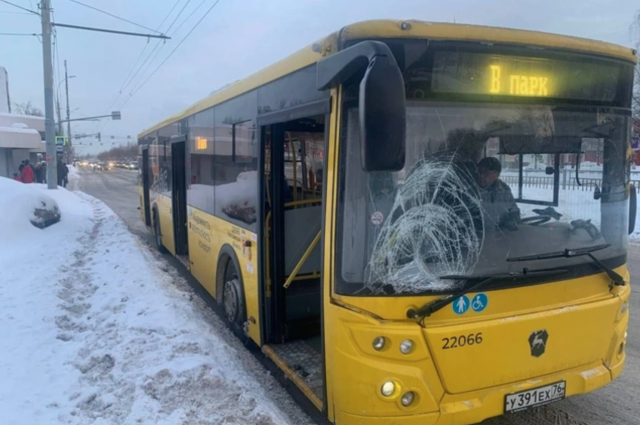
(616, 404)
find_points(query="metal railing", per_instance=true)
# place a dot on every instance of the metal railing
(567, 181)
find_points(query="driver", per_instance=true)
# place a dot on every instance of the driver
(497, 200)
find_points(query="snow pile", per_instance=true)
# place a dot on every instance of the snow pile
(95, 331)
(73, 177)
(18, 205)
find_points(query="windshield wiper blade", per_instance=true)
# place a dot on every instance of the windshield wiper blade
(567, 253)
(435, 305)
(578, 252)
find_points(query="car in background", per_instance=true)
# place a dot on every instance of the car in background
(132, 165)
(101, 166)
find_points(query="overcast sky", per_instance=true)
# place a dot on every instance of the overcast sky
(236, 39)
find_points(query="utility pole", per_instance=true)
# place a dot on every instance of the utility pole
(59, 133)
(49, 122)
(66, 87)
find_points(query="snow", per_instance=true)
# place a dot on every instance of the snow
(97, 330)
(18, 202)
(16, 130)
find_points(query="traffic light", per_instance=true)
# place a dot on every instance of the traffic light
(99, 137)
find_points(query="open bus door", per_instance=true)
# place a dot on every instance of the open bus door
(294, 142)
(144, 171)
(179, 195)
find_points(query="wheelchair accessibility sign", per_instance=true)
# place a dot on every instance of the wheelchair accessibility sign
(479, 302)
(462, 304)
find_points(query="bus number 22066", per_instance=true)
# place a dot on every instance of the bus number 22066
(461, 341)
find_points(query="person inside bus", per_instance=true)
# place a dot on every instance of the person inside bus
(498, 203)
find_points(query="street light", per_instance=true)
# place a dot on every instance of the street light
(58, 103)
(58, 88)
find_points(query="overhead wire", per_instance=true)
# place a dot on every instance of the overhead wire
(20, 7)
(114, 16)
(189, 17)
(14, 12)
(157, 48)
(172, 52)
(129, 79)
(19, 34)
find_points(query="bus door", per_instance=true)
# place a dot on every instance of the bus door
(144, 172)
(179, 194)
(293, 216)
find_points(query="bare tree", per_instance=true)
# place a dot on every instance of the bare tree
(27, 109)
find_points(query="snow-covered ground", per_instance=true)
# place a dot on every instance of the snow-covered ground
(96, 329)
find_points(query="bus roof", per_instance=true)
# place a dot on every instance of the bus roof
(400, 29)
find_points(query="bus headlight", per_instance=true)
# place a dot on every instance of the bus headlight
(378, 343)
(407, 398)
(406, 346)
(388, 389)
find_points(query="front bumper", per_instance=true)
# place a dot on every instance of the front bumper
(474, 407)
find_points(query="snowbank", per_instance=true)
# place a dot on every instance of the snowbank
(96, 331)
(18, 205)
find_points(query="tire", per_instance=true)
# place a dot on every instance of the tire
(157, 233)
(231, 294)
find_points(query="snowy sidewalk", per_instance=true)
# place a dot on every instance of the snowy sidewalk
(94, 330)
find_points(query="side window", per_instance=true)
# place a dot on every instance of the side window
(236, 161)
(201, 181)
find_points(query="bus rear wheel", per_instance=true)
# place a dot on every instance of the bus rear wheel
(232, 297)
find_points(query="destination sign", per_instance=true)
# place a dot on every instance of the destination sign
(473, 73)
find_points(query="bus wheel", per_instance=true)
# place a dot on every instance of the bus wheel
(157, 233)
(233, 297)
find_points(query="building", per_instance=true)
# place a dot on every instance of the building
(21, 136)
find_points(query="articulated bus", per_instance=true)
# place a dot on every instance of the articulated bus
(397, 216)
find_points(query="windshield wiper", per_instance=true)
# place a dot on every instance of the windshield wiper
(578, 252)
(435, 305)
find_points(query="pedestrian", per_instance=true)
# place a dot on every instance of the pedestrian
(27, 173)
(63, 171)
(16, 177)
(39, 176)
(21, 167)
(43, 170)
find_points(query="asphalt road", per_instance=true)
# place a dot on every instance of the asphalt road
(616, 404)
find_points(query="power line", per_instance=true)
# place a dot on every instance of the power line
(169, 14)
(178, 15)
(172, 52)
(20, 7)
(128, 81)
(148, 62)
(18, 34)
(14, 13)
(189, 17)
(114, 16)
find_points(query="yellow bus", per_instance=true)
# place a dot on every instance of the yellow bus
(397, 215)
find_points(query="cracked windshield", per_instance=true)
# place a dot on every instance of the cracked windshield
(482, 184)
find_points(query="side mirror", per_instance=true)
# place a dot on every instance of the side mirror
(633, 207)
(549, 171)
(382, 117)
(381, 104)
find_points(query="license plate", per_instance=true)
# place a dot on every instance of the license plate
(536, 397)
